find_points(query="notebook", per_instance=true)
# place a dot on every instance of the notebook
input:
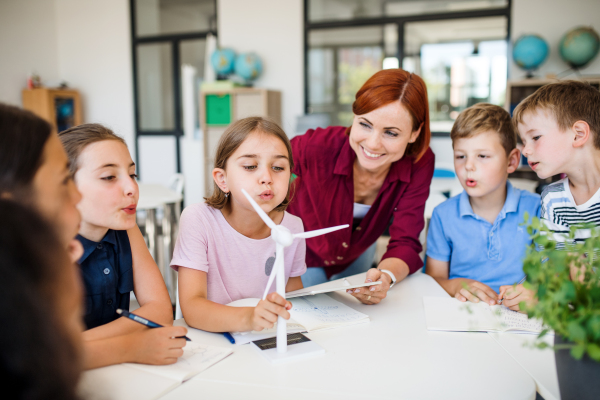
(449, 314)
(308, 314)
(147, 382)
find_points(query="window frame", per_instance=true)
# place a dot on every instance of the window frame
(400, 21)
(174, 40)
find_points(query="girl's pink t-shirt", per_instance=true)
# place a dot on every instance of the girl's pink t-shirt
(237, 267)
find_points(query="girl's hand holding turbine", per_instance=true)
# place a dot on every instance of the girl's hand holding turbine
(265, 314)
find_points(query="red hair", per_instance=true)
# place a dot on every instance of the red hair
(391, 85)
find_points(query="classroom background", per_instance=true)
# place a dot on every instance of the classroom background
(146, 69)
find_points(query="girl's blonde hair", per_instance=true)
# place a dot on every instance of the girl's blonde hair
(233, 137)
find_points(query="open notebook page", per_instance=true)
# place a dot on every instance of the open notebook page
(121, 382)
(449, 314)
(196, 358)
(147, 382)
(322, 312)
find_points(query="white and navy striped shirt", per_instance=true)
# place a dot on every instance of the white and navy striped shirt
(559, 212)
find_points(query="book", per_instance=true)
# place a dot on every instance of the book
(308, 314)
(342, 284)
(450, 314)
(148, 382)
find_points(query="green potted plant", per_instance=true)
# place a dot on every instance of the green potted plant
(567, 282)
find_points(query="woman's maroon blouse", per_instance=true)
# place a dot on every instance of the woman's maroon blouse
(323, 196)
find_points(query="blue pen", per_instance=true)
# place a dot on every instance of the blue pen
(144, 321)
(229, 337)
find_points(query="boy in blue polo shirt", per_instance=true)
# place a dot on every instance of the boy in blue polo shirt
(475, 244)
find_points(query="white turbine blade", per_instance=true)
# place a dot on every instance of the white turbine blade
(263, 215)
(318, 232)
(278, 259)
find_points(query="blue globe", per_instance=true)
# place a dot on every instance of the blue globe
(530, 51)
(248, 66)
(223, 61)
(579, 46)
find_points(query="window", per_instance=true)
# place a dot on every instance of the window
(165, 35)
(459, 48)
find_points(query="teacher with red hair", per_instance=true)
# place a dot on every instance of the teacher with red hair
(372, 175)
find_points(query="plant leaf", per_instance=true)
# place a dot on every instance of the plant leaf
(576, 331)
(594, 351)
(577, 351)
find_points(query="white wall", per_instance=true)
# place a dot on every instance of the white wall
(94, 56)
(551, 19)
(273, 29)
(27, 44)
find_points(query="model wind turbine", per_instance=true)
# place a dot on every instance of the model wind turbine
(283, 238)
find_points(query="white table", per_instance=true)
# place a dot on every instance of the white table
(152, 197)
(392, 357)
(540, 364)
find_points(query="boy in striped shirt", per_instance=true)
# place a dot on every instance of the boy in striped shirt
(560, 128)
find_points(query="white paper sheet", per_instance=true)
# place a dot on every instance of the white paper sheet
(449, 314)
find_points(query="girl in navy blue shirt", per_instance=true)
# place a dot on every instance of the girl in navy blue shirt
(115, 258)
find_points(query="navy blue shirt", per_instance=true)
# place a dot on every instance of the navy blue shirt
(107, 271)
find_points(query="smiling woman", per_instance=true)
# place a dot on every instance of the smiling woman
(373, 174)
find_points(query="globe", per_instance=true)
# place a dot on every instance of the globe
(223, 61)
(579, 46)
(248, 66)
(530, 51)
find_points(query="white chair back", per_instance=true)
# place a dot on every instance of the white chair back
(177, 183)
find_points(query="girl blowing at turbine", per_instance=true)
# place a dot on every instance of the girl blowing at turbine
(223, 252)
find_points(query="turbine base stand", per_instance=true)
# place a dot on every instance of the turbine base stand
(299, 347)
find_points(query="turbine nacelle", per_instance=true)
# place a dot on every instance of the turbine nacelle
(282, 235)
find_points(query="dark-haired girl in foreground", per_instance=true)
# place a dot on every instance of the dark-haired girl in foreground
(40, 317)
(34, 171)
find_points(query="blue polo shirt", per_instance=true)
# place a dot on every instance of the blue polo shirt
(107, 271)
(489, 253)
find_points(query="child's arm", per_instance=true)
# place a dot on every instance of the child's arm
(294, 283)
(461, 288)
(150, 291)
(201, 313)
(512, 295)
(150, 346)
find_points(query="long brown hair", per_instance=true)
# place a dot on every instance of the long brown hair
(39, 358)
(23, 137)
(233, 138)
(391, 85)
(76, 139)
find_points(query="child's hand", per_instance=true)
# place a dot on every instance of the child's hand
(577, 274)
(475, 291)
(158, 346)
(512, 295)
(265, 314)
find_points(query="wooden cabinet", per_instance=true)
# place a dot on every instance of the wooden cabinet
(60, 107)
(219, 108)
